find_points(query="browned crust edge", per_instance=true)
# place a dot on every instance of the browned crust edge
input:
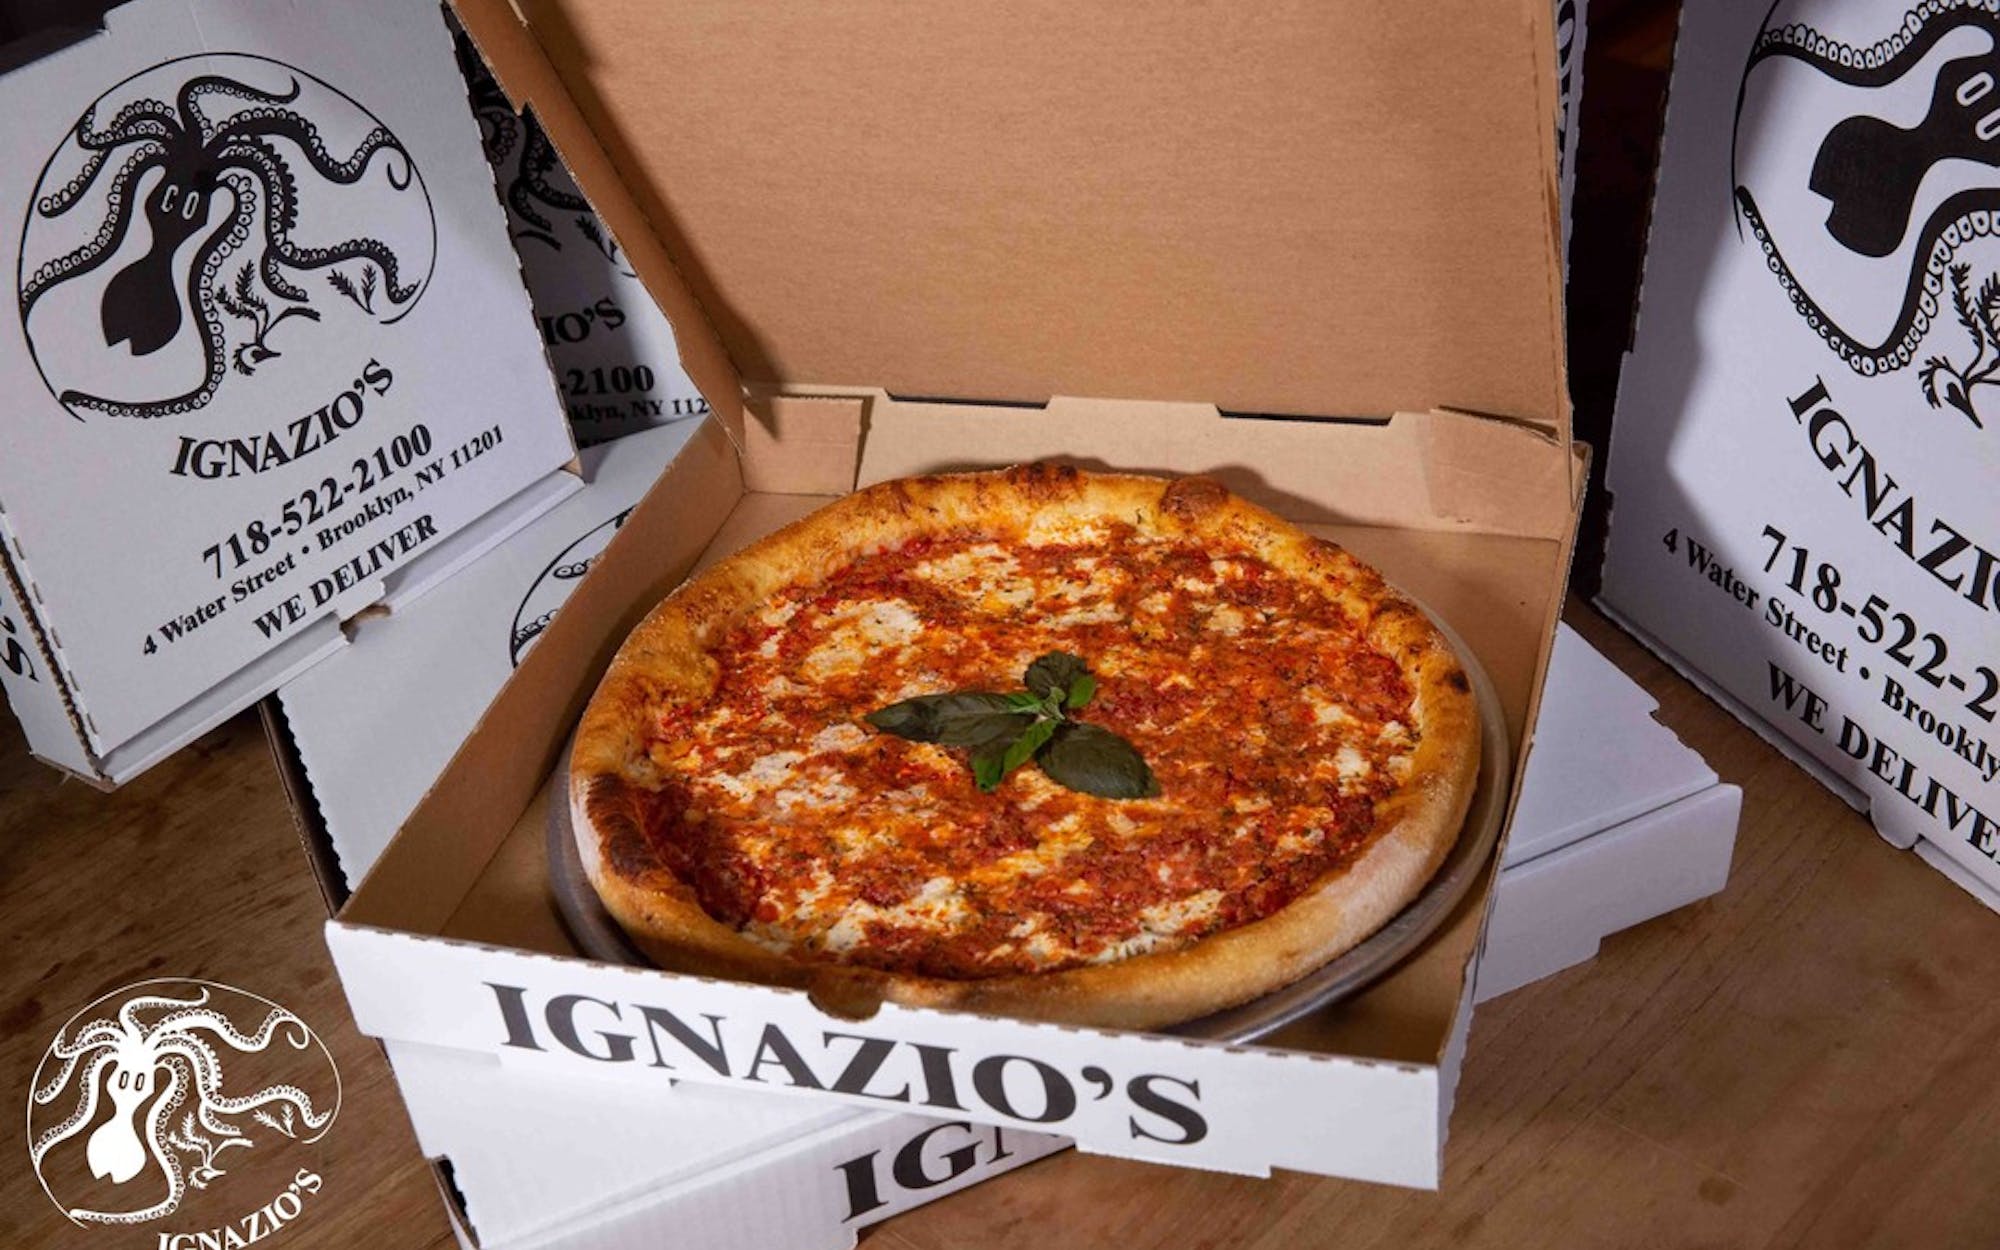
(666, 658)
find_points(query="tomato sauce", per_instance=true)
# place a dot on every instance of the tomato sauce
(1272, 727)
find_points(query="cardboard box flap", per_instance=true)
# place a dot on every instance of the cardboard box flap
(1014, 201)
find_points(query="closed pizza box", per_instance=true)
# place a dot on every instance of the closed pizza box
(1600, 758)
(611, 347)
(270, 361)
(1618, 822)
(1069, 249)
(1807, 436)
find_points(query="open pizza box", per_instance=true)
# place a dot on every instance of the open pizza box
(1313, 255)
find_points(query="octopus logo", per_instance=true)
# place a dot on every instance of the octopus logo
(160, 1088)
(1867, 158)
(198, 217)
(553, 585)
(537, 187)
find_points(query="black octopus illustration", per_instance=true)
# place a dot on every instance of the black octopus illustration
(1869, 172)
(553, 585)
(210, 158)
(538, 180)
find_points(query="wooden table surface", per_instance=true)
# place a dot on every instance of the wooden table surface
(1806, 1060)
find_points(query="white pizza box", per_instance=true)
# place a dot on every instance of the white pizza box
(245, 408)
(1805, 447)
(1618, 822)
(610, 346)
(996, 259)
(375, 723)
(530, 1160)
(1600, 758)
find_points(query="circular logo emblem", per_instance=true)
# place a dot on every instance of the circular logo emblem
(1867, 166)
(197, 223)
(171, 1086)
(555, 582)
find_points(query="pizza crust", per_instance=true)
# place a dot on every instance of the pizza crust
(666, 660)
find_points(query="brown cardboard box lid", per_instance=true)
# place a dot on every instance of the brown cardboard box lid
(1320, 208)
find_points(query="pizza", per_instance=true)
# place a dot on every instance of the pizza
(1086, 747)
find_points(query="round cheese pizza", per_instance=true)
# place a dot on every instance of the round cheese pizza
(1087, 747)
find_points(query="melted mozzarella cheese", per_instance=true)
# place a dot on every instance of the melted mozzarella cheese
(1305, 843)
(764, 773)
(780, 688)
(1162, 924)
(816, 794)
(986, 576)
(1327, 712)
(936, 906)
(844, 736)
(1353, 765)
(1171, 919)
(859, 631)
(1227, 619)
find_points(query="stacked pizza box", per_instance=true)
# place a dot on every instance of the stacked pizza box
(273, 363)
(1618, 823)
(1806, 440)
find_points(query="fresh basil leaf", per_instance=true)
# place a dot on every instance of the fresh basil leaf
(1005, 731)
(1096, 761)
(1081, 691)
(989, 765)
(1056, 671)
(1024, 747)
(1001, 729)
(954, 720)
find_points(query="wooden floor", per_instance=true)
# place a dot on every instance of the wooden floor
(1807, 1060)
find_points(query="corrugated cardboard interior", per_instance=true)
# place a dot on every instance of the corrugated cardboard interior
(1329, 209)
(470, 864)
